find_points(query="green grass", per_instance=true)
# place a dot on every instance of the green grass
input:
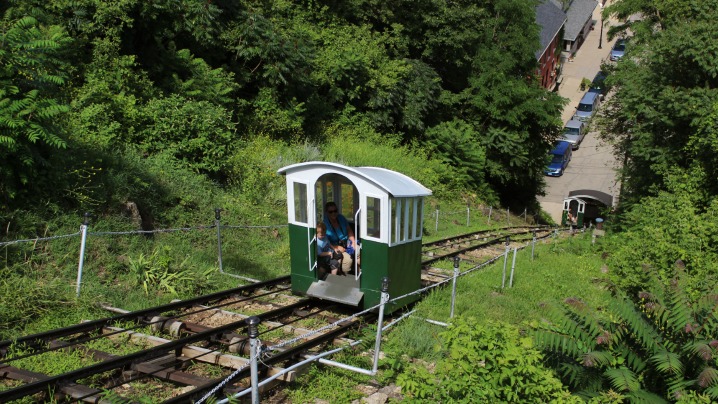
(561, 269)
(558, 271)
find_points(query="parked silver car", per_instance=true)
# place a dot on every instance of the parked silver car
(574, 132)
(587, 107)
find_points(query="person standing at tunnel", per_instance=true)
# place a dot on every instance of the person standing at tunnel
(339, 233)
(572, 220)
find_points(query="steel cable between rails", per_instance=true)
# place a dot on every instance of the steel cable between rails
(139, 325)
(6, 243)
(231, 376)
(131, 330)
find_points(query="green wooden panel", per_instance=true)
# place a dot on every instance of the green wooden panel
(401, 263)
(374, 258)
(299, 254)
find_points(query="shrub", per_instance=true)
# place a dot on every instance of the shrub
(359, 145)
(491, 363)
(160, 271)
(679, 225)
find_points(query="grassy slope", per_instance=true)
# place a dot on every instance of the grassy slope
(564, 268)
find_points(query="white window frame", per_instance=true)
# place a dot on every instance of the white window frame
(364, 206)
(292, 202)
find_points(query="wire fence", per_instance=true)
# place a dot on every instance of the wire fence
(440, 221)
(489, 216)
(31, 246)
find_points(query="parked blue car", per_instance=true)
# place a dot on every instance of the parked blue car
(619, 48)
(560, 156)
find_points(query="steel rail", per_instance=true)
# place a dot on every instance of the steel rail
(140, 356)
(288, 354)
(468, 235)
(496, 240)
(94, 325)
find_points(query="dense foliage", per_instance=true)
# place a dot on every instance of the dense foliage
(179, 107)
(674, 226)
(197, 80)
(661, 348)
(32, 72)
(663, 115)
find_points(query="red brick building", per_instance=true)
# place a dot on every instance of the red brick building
(551, 19)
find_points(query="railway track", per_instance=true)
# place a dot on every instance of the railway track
(180, 351)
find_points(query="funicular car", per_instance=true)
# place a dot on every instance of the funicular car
(386, 211)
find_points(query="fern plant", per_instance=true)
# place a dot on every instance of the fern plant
(30, 75)
(660, 347)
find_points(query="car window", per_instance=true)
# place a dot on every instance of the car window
(571, 131)
(585, 107)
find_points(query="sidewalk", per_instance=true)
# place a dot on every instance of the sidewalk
(593, 165)
(586, 63)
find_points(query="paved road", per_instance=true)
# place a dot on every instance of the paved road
(593, 165)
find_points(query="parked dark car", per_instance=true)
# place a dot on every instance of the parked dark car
(598, 85)
(619, 48)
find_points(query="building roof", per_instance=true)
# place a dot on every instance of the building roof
(602, 197)
(550, 18)
(578, 14)
(394, 183)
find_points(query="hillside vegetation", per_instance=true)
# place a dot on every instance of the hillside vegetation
(149, 115)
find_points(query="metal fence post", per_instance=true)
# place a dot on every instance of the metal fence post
(217, 223)
(506, 257)
(453, 286)
(513, 265)
(83, 241)
(488, 222)
(377, 343)
(253, 324)
(468, 212)
(526, 219)
(533, 246)
(436, 226)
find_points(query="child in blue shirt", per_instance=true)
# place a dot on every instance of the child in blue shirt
(326, 260)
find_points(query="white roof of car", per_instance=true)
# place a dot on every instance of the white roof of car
(394, 183)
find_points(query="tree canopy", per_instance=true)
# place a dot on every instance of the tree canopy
(196, 78)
